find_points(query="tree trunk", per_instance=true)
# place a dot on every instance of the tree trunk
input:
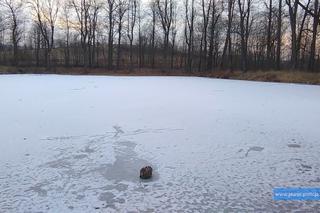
(227, 44)
(269, 45)
(314, 36)
(110, 41)
(279, 36)
(119, 44)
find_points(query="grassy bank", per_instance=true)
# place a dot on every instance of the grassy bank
(272, 76)
(268, 76)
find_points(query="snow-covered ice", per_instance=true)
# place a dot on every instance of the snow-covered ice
(76, 144)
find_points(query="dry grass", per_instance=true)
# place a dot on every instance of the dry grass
(267, 76)
(274, 76)
(7, 70)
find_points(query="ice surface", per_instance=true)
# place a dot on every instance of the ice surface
(77, 143)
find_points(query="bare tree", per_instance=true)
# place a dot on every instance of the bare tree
(14, 10)
(189, 32)
(140, 37)
(215, 16)
(296, 30)
(121, 11)
(93, 27)
(307, 9)
(153, 7)
(111, 8)
(66, 23)
(269, 33)
(244, 25)
(173, 34)
(87, 12)
(81, 9)
(46, 13)
(2, 29)
(227, 43)
(279, 35)
(131, 22)
(165, 12)
(206, 6)
(316, 21)
(36, 40)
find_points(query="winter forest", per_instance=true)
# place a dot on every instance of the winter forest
(190, 35)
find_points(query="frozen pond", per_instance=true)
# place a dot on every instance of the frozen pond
(76, 144)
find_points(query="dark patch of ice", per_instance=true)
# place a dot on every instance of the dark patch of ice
(119, 187)
(38, 188)
(80, 197)
(295, 159)
(127, 164)
(81, 156)
(118, 131)
(60, 163)
(88, 150)
(110, 198)
(317, 180)
(306, 166)
(78, 89)
(106, 196)
(294, 145)
(254, 148)
(62, 138)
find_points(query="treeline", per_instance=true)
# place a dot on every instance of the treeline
(193, 35)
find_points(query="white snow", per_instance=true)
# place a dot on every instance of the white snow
(76, 144)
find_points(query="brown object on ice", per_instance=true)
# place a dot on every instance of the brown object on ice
(146, 172)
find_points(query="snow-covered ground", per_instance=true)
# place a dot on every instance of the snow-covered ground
(76, 144)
